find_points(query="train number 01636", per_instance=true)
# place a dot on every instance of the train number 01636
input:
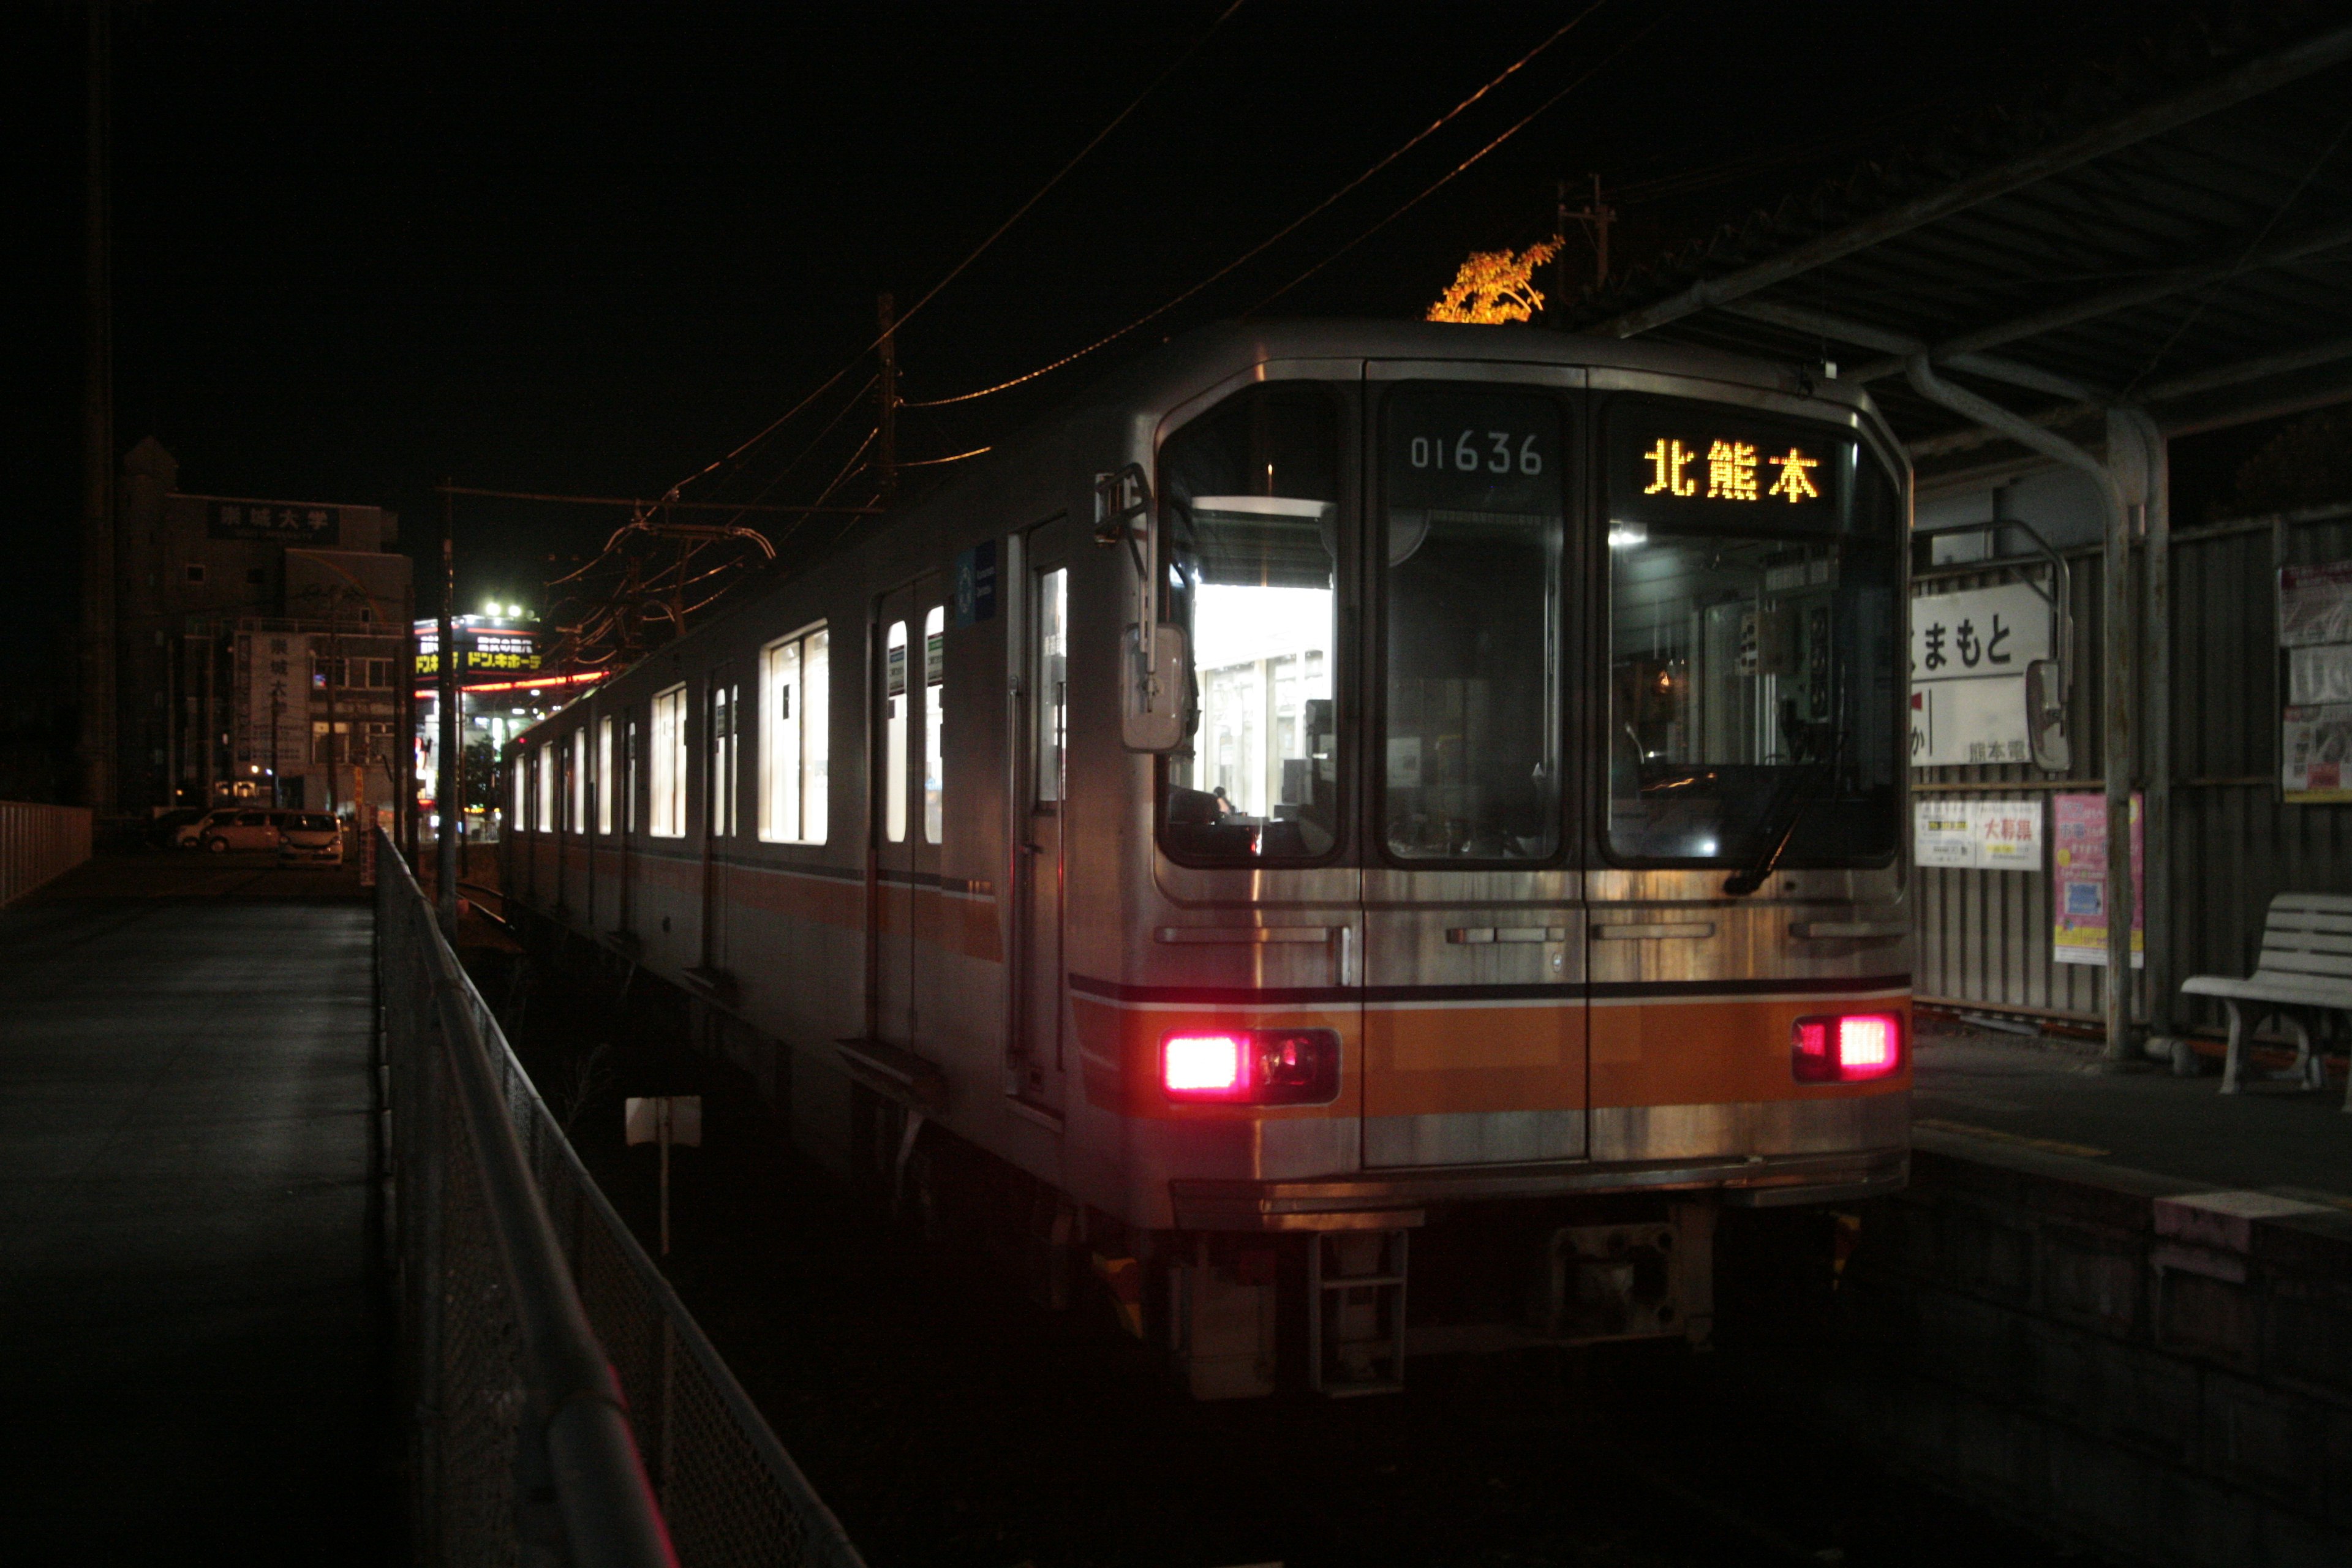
(1467, 457)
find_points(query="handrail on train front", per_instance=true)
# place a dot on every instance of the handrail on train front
(610, 1520)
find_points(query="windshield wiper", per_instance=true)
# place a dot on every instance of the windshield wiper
(1739, 884)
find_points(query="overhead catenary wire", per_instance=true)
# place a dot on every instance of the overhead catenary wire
(976, 251)
(1279, 235)
(1450, 175)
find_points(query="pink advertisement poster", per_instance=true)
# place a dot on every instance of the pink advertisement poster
(2078, 881)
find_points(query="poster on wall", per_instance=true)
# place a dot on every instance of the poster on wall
(2315, 622)
(1969, 654)
(2315, 604)
(1977, 834)
(2078, 883)
(2006, 834)
(1941, 834)
(2315, 753)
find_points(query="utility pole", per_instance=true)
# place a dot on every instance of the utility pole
(1559, 238)
(210, 780)
(449, 780)
(98, 653)
(334, 678)
(887, 439)
(1596, 220)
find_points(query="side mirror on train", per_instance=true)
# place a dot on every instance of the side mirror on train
(2045, 716)
(1152, 709)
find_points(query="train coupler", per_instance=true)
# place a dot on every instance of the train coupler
(1647, 1280)
(1356, 1311)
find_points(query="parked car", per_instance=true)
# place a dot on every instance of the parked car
(191, 835)
(245, 829)
(312, 839)
(173, 829)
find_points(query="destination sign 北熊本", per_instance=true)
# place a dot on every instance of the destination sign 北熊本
(1711, 469)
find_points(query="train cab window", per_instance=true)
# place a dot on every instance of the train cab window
(1251, 498)
(894, 739)
(1472, 513)
(665, 812)
(1753, 641)
(793, 676)
(935, 674)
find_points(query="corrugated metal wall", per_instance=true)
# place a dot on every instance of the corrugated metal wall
(1985, 935)
(2237, 844)
(38, 843)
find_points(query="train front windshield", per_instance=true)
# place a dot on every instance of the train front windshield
(1753, 614)
(1750, 603)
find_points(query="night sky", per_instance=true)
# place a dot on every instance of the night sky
(594, 248)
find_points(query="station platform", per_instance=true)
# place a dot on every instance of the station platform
(1987, 1092)
(196, 1363)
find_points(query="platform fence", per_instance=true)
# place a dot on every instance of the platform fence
(39, 844)
(566, 1408)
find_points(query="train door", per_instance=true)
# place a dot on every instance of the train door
(895, 735)
(1037, 1041)
(1475, 1026)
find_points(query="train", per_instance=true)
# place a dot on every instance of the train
(1358, 840)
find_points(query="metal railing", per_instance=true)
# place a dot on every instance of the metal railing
(39, 844)
(566, 1408)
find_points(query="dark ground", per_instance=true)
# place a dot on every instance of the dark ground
(949, 1422)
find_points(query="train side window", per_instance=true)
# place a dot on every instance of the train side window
(791, 738)
(894, 768)
(629, 784)
(1471, 496)
(579, 752)
(548, 768)
(1053, 679)
(1250, 522)
(666, 813)
(604, 775)
(520, 767)
(722, 761)
(935, 674)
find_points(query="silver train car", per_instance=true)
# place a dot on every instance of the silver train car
(1370, 834)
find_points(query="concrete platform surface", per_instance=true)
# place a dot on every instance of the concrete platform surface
(1997, 1089)
(193, 1368)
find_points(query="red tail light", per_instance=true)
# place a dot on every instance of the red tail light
(1848, 1048)
(1251, 1067)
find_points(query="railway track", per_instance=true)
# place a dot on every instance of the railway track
(949, 1421)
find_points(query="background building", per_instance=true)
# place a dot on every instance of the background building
(258, 645)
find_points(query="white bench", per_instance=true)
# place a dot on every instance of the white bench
(2304, 973)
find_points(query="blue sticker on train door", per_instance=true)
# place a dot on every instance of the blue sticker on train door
(975, 584)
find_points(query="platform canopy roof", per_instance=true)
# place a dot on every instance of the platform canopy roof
(2174, 232)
